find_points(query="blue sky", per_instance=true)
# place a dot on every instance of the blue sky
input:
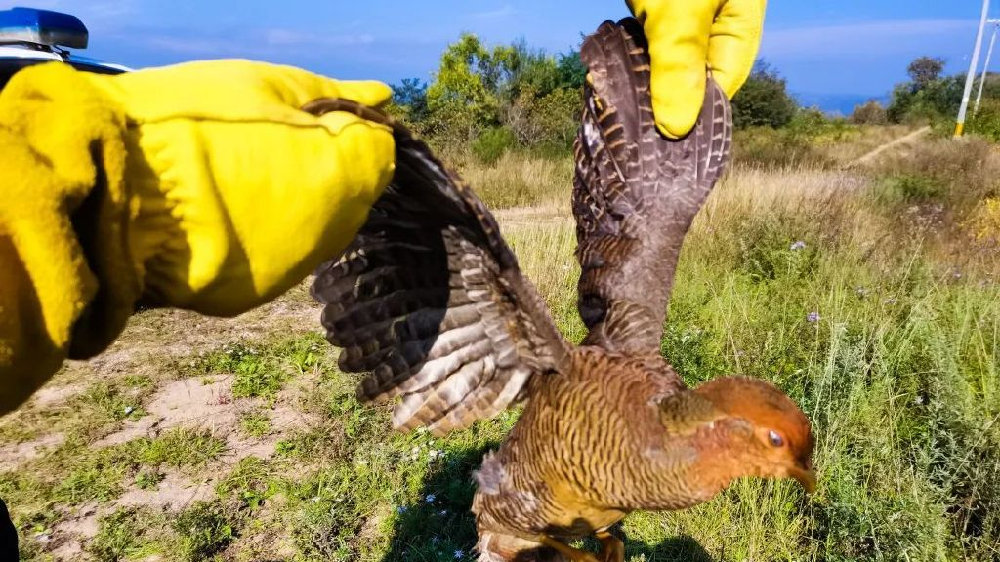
(823, 47)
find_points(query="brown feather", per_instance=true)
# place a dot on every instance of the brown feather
(430, 299)
(635, 192)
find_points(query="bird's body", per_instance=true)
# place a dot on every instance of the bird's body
(430, 301)
(560, 476)
(658, 446)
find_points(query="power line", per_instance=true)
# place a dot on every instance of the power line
(986, 64)
(971, 76)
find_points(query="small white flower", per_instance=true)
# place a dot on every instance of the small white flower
(401, 509)
(798, 245)
(430, 498)
(459, 554)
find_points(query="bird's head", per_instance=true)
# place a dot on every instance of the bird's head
(768, 434)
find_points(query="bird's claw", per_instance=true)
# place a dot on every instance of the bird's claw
(571, 554)
(612, 548)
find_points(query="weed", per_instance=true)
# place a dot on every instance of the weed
(255, 423)
(148, 479)
(178, 447)
(249, 482)
(125, 534)
(204, 529)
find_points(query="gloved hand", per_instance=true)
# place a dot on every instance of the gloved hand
(686, 37)
(200, 185)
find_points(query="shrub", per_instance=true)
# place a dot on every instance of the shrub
(870, 113)
(769, 148)
(908, 188)
(986, 122)
(493, 143)
(763, 100)
(550, 120)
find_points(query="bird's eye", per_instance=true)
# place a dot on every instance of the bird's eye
(776, 439)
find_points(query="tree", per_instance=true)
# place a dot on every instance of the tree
(763, 100)
(924, 71)
(411, 94)
(927, 96)
(477, 90)
(572, 71)
(869, 113)
(463, 98)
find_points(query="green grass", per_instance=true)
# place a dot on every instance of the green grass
(255, 423)
(128, 534)
(261, 370)
(883, 326)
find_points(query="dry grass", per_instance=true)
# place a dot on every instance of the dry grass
(196, 439)
(518, 180)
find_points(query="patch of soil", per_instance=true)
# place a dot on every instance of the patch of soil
(174, 333)
(205, 403)
(51, 395)
(13, 455)
(200, 403)
(175, 491)
(71, 533)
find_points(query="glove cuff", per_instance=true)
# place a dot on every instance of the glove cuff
(70, 211)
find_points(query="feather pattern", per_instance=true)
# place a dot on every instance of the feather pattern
(430, 300)
(635, 192)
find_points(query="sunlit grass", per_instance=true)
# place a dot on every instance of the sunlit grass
(858, 293)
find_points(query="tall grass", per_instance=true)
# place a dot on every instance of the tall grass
(810, 278)
(864, 294)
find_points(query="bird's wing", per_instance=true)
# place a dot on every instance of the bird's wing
(635, 192)
(430, 300)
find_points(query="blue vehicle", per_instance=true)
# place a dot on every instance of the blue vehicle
(29, 36)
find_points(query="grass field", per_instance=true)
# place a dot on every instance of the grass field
(869, 294)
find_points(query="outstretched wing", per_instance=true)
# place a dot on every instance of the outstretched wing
(430, 300)
(635, 192)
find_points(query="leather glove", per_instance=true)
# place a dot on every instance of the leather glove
(200, 185)
(685, 37)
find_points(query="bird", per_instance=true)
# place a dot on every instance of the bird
(430, 303)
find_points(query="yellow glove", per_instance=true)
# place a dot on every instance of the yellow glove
(685, 37)
(199, 185)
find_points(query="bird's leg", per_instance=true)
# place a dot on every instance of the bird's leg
(573, 554)
(612, 548)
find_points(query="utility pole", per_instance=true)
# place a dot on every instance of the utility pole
(986, 65)
(971, 76)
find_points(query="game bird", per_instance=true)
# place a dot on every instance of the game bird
(430, 301)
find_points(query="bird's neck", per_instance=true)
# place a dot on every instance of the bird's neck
(702, 451)
(721, 455)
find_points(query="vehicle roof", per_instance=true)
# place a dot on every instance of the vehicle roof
(20, 52)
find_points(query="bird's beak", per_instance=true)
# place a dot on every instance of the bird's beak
(805, 477)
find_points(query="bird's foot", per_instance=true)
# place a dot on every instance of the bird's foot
(612, 548)
(571, 554)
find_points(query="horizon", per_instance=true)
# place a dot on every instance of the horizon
(832, 54)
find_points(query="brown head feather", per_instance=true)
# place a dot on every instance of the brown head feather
(764, 406)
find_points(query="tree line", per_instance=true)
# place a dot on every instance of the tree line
(494, 99)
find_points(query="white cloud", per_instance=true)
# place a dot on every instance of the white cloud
(502, 12)
(280, 37)
(885, 37)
